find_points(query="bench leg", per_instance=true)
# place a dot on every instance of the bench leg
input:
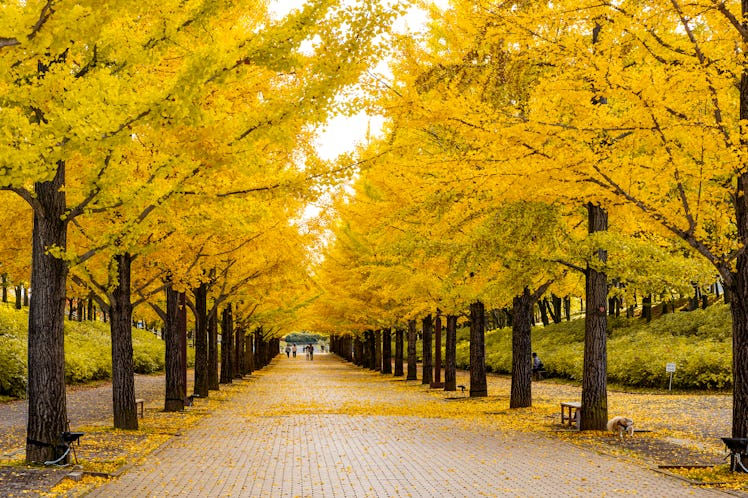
(736, 461)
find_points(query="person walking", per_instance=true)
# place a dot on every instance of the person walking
(311, 352)
(293, 350)
(288, 351)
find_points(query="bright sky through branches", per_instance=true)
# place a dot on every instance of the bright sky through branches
(342, 133)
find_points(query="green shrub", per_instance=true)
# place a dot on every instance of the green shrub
(698, 342)
(12, 366)
(87, 351)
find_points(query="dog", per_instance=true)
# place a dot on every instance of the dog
(621, 425)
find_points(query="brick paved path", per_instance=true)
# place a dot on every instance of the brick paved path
(290, 433)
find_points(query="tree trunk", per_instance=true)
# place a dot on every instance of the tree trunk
(123, 371)
(239, 353)
(478, 381)
(19, 297)
(370, 346)
(521, 391)
(183, 345)
(227, 349)
(366, 352)
(412, 375)
(201, 386)
(428, 365)
(399, 343)
(594, 412)
(544, 307)
(450, 355)
(556, 309)
(47, 407)
(437, 352)
(387, 351)
(378, 350)
(358, 352)
(251, 349)
(258, 348)
(647, 308)
(213, 383)
(4, 278)
(174, 396)
(736, 285)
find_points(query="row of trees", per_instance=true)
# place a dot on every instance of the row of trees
(575, 148)
(152, 149)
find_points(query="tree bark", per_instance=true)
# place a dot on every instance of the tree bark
(412, 375)
(183, 345)
(358, 352)
(428, 364)
(437, 382)
(399, 343)
(736, 285)
(450, 355)
(201, 387)
(387, 351)
(544, 307)
(478, 381)
(239, 353)
(47, 407)
(213, 379)
(174, 396)
(258, 349)
(227, 350)
(123, 371)
(521, 390)
(249, 364)
(378, 350)
(594, 412)
(647, 308)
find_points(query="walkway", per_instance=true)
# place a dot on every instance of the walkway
(325, 428)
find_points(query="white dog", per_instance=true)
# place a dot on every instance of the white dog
(621, 425)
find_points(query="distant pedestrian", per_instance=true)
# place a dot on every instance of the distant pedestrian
(293, 350)
(306, 351)
(537, 364)
(311, 352)
(288, 351)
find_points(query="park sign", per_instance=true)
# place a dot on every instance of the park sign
(670, 368)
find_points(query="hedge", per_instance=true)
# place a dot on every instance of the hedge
(87, 351)
(699, 343)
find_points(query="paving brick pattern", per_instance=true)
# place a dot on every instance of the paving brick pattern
(282, 437)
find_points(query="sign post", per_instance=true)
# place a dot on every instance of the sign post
(670, 368)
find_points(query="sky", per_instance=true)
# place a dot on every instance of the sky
(342, 133)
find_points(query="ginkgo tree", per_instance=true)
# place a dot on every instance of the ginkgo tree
(460, 109)
(77, 77)
(643, 104)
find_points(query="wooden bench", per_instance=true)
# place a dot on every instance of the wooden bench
(538, 374)
(140, 406)
(738, 448)
(570, 411)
